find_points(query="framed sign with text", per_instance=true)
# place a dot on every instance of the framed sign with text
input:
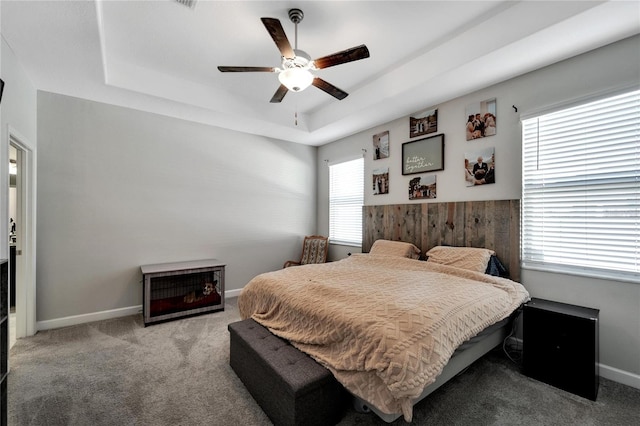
(423, 155)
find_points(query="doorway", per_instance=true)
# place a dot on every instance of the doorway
(13, 241)
(22, 238)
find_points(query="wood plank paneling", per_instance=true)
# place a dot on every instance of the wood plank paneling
(406, 223)
(490, 224)
(374, 226)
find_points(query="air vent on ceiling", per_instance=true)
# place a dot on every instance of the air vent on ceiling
(189, 3)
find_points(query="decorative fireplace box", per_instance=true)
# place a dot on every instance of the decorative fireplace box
(180, 289)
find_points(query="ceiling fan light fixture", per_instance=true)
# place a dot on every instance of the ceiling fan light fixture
(295, 74)
(296, 79)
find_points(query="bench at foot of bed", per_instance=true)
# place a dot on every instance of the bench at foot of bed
(289, 386)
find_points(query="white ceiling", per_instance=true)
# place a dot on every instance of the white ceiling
(161, 56)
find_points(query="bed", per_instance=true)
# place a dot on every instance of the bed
(390, 326)
(372, 318)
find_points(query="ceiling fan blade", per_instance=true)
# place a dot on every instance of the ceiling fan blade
(279, 95)
(329, 88)
(247, 69)
(353, 54)
(274, 27)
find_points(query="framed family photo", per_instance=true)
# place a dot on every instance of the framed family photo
(480, 167)
(481, 119)
(423, 155)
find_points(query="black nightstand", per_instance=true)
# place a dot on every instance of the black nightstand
(560, 346)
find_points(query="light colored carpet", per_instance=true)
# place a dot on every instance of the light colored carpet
(117, 372)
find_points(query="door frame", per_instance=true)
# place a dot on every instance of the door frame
(26, 222)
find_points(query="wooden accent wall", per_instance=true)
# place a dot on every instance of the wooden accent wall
(490, 224)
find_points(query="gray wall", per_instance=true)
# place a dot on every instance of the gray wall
(609, 68)
(119, 188)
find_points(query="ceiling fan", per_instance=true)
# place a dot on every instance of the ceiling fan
(295, 74)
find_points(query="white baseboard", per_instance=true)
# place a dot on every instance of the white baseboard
(620, 376)
(84, 318)
(103, 315)
(232, 293)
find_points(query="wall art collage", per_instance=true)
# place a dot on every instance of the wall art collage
(426, 154)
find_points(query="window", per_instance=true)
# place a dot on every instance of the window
(346, 197)
(581, 189)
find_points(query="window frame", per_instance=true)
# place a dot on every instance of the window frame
(358, 203)
(529, 261)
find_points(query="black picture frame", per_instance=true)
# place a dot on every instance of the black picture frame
(423, 155)
(1, 88)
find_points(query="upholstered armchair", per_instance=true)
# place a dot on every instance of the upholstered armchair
(314, 250)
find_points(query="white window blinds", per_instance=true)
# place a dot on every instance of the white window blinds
(346, 197)
(581, 189)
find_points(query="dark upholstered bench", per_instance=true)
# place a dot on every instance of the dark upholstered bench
(290, 386)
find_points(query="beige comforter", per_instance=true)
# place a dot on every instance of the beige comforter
(385, 326)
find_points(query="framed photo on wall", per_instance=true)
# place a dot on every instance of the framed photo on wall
(423, 123)
(480, 167)
(381, 145)
(381, 181)
(481, 119)
(422, 187)
(423, 155)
